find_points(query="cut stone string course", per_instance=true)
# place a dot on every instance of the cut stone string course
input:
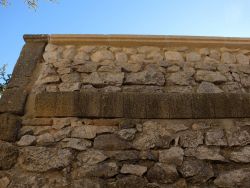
(124, 111)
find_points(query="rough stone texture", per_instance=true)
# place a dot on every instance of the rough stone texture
(9, 127)
(207, 87)
(162, 173)
(243, 155)
(133, 169)
(110, 142)
(210, 76)
(173, 155)
(172, 116)
(42, 159)
(26, 140)
(234, 178)
(8, 155)
(197, 171)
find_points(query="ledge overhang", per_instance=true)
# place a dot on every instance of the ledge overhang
(139, 40)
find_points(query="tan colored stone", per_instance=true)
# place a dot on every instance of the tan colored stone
(26, 140)
(121, 57)
(173, 156)
(172, 56)
(193, 57)
(37, 122)
(102, 55)
(205, 153)
(4, 182)
(87, 67)
(204, 51)
(137, 170)
(227, 57)
(242, 155)
(45, 139)
(207, 87)
(77, 144)
(71, 78)
(210, 76)
(69, 86)
(91, 157)
(137, 58)
(242, 59)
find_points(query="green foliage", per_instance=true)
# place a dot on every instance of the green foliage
(4, 78)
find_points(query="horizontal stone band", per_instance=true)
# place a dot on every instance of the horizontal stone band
(142, 105)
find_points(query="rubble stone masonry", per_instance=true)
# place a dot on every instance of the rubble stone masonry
(112, 111)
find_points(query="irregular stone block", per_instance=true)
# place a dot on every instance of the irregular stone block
(9, 127)
(137, 170)
(42, 159)
(131, 181)
(162, 173)
(8, 155)
(234, 178)
(111, 142)
(242, 155)
(13, 101)
(173, 155)
(91, 157)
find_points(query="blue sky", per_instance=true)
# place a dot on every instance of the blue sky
(158, 17)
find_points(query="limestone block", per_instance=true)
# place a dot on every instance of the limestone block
(216, 137)
(75, 143)
(51, 158)
(209, 76)
(91, 157)
(193, 57)
(26, 140)
(242, 155)
(9, 127)
(173, 156)
(207, 87)
(102, 55)
(172, 56)
(137, 170)
(8, 155)
(228, 57)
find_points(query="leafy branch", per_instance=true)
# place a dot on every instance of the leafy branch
(4, 78)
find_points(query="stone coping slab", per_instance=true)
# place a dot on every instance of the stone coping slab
(142, 105)
(139, 40)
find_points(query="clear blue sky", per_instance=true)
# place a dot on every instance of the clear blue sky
(158, 17)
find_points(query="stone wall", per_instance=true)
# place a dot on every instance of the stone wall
(127, 111)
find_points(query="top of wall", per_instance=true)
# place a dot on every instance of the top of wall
(137, 40)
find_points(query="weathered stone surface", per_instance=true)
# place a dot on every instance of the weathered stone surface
(227, 57)
(242, 59)
(173, 68)
(215, 54)
(193, 56)
(88, 183)
(71, 78)
(9, 127)
(8, 155)
(234, 178)
(4, 182)
(104, 170)
(181, 78)
(13, 101)
(42, 159)
(110, 142)
(37, 122)
(137, 58)
(67, 87)
(172, 56)
(153, 135)
(137, 170)
(90, 131)
(237, 137)
(210, 76)
(121, 57)
(45, 139)
(207, 87)
(172, 156)
(197, 171)
(77, 144)
(60, 123)
(242, 155)
(162, 173)
(26, 140)
(91, 157)
(102, 55)
(147, 77)
(127, 134)
(205, 153)
(216, 137)
(131, 181)
(123, 155)
(191, 139)
(62, 133)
